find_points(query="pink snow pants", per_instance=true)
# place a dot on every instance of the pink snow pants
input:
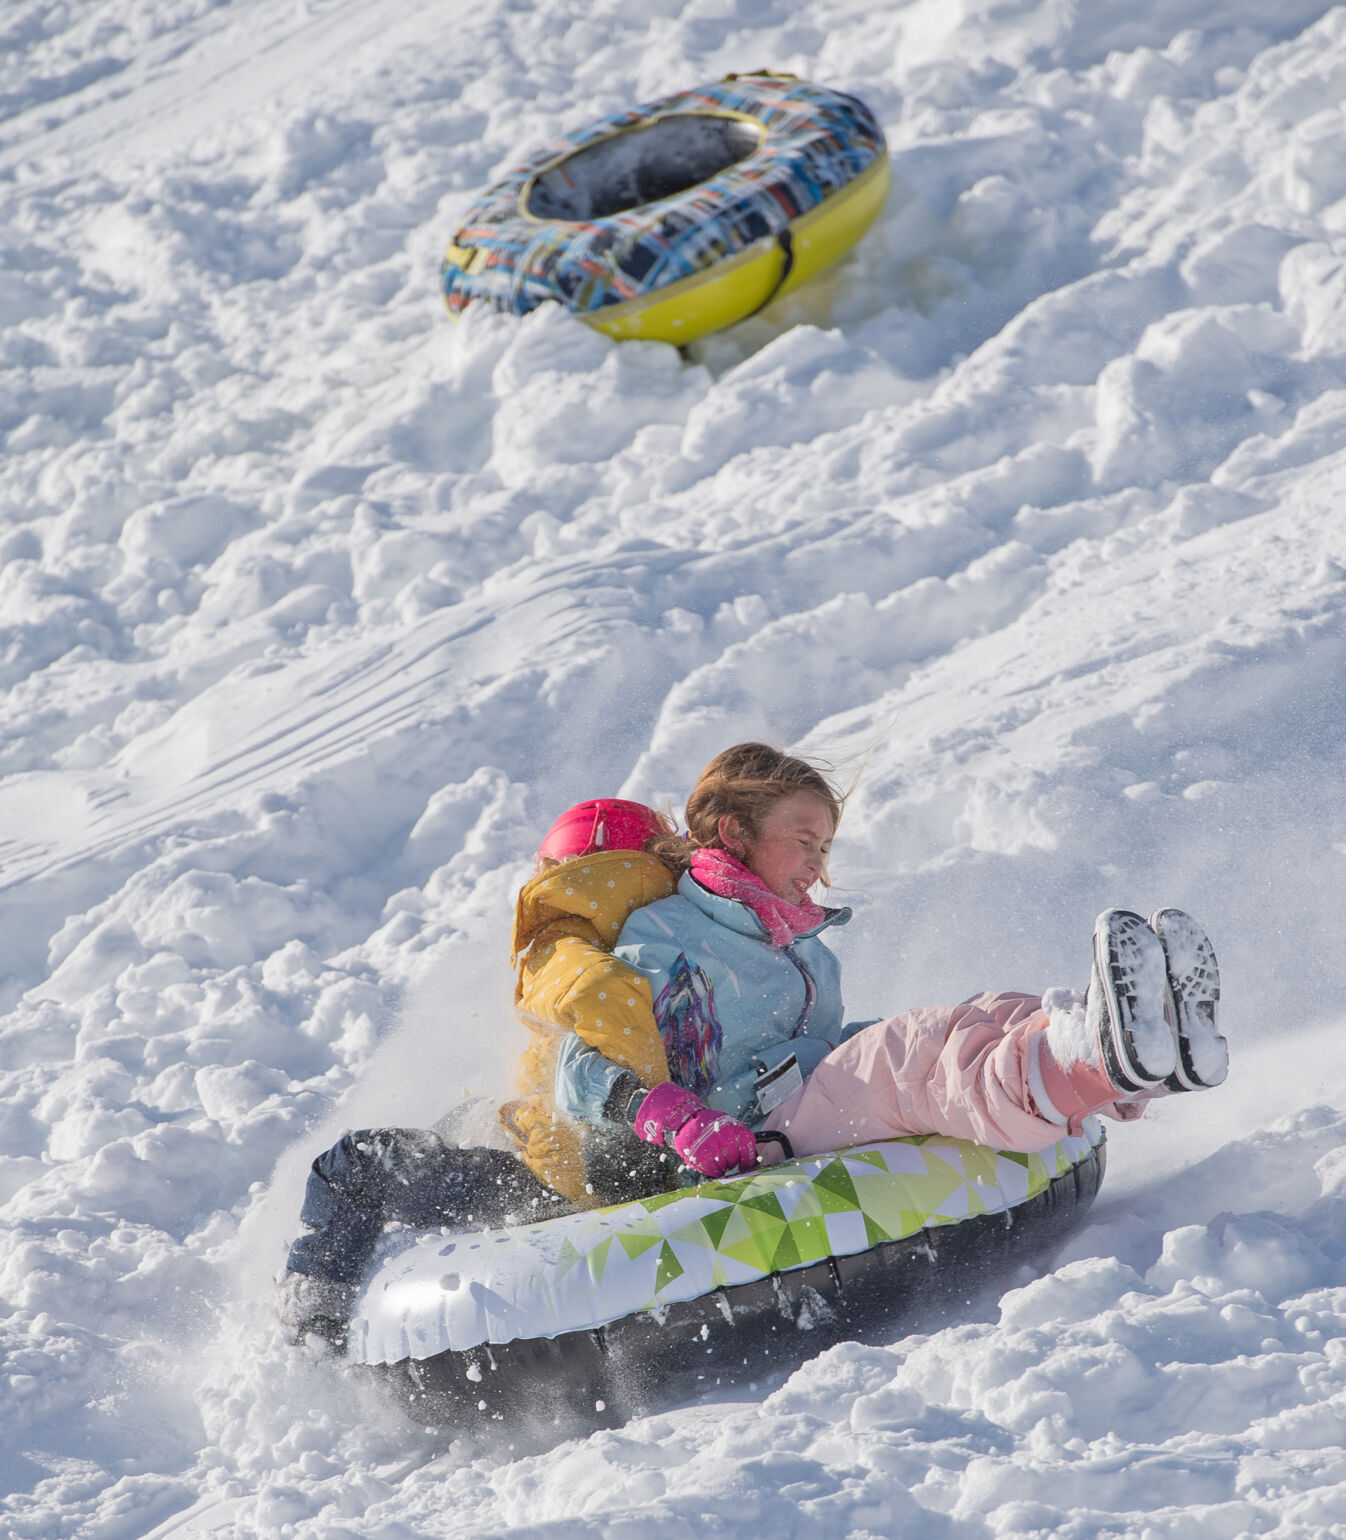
(942, 1069)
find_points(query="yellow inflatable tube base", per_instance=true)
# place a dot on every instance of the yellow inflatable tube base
(734, 289)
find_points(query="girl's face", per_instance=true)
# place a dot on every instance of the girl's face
(789, 852)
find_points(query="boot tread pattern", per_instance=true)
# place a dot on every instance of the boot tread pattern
(1192, 983)
(1137, 1043)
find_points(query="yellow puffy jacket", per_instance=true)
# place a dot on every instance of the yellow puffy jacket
(565, 924)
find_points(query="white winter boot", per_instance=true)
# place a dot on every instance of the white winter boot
(1125, 1007)
(1114, 1044)
(1192, 992)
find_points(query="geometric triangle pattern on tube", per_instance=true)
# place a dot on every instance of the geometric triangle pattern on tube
(433, 1291)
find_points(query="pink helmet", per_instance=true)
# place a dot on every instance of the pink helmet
(604, 824)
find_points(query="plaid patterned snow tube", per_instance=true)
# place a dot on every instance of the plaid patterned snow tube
(813, 143)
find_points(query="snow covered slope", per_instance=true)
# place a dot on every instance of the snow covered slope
(314, 609)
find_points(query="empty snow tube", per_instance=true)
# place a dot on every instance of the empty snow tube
(624, 1309)
(674, 219)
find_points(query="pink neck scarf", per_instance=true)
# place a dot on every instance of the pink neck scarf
(727, 876)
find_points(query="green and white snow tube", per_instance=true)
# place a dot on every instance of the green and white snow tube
(624, 1307)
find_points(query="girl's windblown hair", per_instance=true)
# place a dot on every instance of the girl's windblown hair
(743, 782)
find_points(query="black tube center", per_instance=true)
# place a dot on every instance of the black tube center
(641, 166)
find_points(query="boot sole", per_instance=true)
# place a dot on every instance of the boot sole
(1192, 980)
(1136, 1041)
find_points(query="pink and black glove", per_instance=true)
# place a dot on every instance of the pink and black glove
(711, 1143)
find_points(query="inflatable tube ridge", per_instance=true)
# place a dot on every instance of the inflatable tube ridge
(812, 144)
(433, 1291)
(734, 1334)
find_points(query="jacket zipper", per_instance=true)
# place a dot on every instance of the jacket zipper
(810, 992)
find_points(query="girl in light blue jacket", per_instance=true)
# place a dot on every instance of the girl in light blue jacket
(747, 997)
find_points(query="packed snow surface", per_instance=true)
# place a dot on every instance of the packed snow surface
(316, 609)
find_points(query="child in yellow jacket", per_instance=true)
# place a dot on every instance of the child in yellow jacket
(592, 873)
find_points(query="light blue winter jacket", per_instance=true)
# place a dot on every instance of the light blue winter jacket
(729, 1004)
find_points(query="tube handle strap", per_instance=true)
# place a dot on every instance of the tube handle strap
(786, 243)
(773, 1136)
